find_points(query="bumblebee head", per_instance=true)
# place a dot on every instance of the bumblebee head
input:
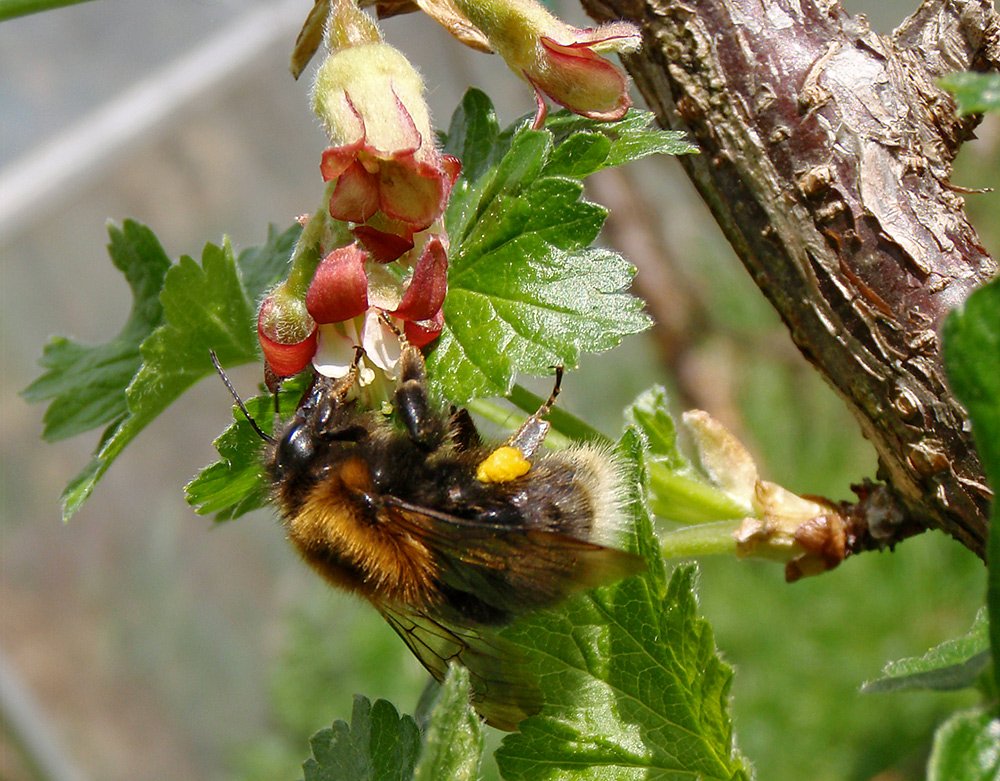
(295, 451)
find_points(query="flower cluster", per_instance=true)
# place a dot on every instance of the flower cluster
(373, 264)
(388, 183)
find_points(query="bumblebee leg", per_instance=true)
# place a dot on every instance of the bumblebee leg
(424, 427)
(532, 433)
(325, 394)
(463, 432)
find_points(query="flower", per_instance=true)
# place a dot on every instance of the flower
(336, 353)
(351, 298)
(286, 331)
(383, 157)
(391, 183)
(558, 60)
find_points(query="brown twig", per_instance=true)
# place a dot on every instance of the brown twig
(826, 157)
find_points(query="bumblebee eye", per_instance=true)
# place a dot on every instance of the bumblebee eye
(295, 450)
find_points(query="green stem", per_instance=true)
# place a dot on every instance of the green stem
(306, 255)
(10, 9)
(501, 416)
(683, 499)
(706, 539)
(562, 421)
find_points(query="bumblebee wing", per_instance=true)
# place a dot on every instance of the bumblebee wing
(502, 692)
(510, 568)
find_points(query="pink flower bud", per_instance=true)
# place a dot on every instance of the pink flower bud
(339, 289)
(383, 156)
(561, 61)
(286, 332)
(585, 83)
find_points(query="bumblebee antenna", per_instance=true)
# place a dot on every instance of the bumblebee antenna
(239, 402)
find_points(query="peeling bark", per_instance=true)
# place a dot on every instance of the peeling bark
(826, 152)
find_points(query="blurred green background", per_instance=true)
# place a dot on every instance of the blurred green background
(151, 644)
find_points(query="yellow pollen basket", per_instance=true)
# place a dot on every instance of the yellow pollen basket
(504, 464)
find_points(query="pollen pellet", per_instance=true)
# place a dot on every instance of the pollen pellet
(502, 465)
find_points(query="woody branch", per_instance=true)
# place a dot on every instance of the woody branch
(826, 156)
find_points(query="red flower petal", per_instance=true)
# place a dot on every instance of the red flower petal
(337, 159)
(541, 108)
(339, 289)
(425, 294)
(356, 195)
(452, 167)
(412, 191)
(287, 359)
(385, 247)
(422, 333)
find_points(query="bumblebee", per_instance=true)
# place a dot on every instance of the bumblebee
(450, 538)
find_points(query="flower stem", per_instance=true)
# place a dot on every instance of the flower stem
(320, 233)
(562, 422)
(501, 416)
(706, 539)
(306, 255)
(683, 498)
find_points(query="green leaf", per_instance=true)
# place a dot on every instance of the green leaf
(966, 748)
(472, 136)
(650, 414)
(180, 312)
(453, 735)
(86, 385)
(679, 492)
(954, 664)
(974, 92)
(204, 308)
(632, 138)
(379, 745)
(525, 290)
(10, 9)
(972, 361)
(236, 483)
(632, 683)
(529, 306)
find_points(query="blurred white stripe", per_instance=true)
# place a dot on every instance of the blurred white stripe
(31, 731)
(67, 161)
